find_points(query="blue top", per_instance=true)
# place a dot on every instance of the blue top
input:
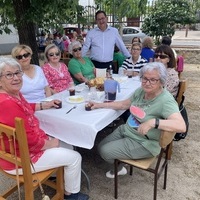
(147, 53)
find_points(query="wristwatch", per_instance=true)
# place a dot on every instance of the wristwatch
(157, 123)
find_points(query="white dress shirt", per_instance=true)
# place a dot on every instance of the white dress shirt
(101, 44)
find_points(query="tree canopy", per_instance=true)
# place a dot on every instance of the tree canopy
(165, 14)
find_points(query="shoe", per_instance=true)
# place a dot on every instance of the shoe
(76, 196)
(110, 174)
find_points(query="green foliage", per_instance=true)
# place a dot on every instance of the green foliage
(121, 9)
(45, 13)
(164, 15)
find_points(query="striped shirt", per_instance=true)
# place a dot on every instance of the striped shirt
(128, 64)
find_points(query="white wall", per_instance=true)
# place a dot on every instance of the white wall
(8, 41)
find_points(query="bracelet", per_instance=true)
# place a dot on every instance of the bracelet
(157, 123)
(41, 108)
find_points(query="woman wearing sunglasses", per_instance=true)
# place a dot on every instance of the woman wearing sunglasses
(165, 55)
(80, 67)
(35, 86)
(55, 71)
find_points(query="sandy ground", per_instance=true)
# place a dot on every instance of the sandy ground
(184, 168)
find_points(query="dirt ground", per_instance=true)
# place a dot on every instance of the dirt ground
(184, 168)
(183, 172)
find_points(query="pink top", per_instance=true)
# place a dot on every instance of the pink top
(11, 107)
(58, 79)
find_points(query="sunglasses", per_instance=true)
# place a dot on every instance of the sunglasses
(161, 56)
(26, 55)
(54, 54)
(77, 49)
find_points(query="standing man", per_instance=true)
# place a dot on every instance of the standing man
(101, 42)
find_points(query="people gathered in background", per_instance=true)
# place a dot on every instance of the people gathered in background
(35, 87)
(56, 72)
(101, 42)
(81, 68)
(66, 42)
(147, 49)
(136, 61)
(165, 55)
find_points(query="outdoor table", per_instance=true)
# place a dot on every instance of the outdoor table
(80, 127)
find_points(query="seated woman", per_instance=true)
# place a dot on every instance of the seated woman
(136, 61)
(55, 71)
(147, 49)
(165, 55)
(159, 112)
(118, 56)
(80, 67)
(42, 148)
(136, 39)
(35, 87)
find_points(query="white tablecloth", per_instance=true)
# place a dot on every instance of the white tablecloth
(80, 127)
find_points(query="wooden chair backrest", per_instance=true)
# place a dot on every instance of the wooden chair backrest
(19, 134)
(182, 88)
(166, 138)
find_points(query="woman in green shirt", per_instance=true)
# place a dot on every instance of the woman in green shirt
(81, 68)
(158, 111)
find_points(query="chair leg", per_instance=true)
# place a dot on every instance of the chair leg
(170, 151)
(165, 177)
(116, 178)
(131, 170)
(155, 185)
(87, 178)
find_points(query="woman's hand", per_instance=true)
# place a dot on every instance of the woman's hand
(49, 104)
(146, 126)
(52, 143)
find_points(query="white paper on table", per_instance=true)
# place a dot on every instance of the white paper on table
(100, 72)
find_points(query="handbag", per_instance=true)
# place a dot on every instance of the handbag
(183, 111)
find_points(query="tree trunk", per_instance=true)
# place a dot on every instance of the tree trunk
(26, 29)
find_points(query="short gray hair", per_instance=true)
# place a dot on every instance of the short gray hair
(158, 66)
(6, 61)
(72, 44)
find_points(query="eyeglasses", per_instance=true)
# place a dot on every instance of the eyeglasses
(26, 55)
(152, 81)
(135, 49)
(77, 49)
(161, 56)
(54, 54)
(11, 75)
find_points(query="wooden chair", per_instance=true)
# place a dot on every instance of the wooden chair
(28, 180)
(66, 61)
(155, 165)
(179, 98)
(182, 88)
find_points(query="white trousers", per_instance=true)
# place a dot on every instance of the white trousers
(61, 156)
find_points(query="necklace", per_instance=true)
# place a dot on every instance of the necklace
(58, 69)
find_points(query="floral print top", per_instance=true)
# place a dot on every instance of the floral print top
(58, 79)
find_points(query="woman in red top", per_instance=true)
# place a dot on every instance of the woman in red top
(56, 72)
(42, 148)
